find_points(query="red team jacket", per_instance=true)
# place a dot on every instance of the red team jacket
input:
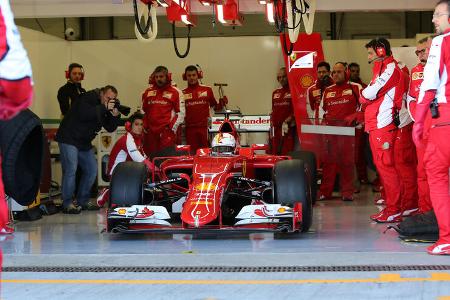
(127, 148)
(281, 106)
(163, 108)
(339, 102)
(314, 99)
(382, 95)
(198, 100)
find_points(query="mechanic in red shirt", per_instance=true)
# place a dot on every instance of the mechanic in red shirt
(381, 98)
(16, 86)
(163, 105)
(340, 103)
(361, 138)
(435, 90)
(405, 152)
(422, 51)
(129, 147)
(282, 117)
(314, 92)
(199, 99)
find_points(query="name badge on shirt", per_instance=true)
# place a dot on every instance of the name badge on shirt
(167, 95)
(347, 92)
(417, 75)
(151, 93)
(203, 94)
(316, 93)
(188, 96)
(330, 95)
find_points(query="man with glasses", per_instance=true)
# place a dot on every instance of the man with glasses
(434, 98)
(92, 111)
(416, 79)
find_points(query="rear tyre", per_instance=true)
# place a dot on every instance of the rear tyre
(291, 186)
(309, 160)
(127, 184)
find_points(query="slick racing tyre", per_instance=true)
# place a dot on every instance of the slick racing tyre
(309, 160)
(127, 184)
(291, 185)
(22, 146)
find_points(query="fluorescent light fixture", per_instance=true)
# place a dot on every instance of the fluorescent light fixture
(269, 13)
(263, 2)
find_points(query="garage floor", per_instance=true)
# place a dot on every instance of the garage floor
(344, 256)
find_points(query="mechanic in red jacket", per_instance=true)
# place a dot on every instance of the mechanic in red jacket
(16, 87)
(129, 147)
(199, 99)
(282, 117)
(340, 103)
(435, 90)
(314, 92)
(163, 105)
(382, 98)
(405, 153)
(422, 51)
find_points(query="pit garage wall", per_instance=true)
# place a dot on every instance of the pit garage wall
(247, 64)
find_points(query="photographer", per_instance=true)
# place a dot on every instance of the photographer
(93, 110)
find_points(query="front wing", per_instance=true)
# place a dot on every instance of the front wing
(251, 218)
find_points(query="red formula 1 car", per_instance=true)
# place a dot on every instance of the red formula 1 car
(212, 191)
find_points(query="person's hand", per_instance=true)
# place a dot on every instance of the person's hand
(115, 112)
(110, 105)
(284, 128)
(350, 120)
(417, 134)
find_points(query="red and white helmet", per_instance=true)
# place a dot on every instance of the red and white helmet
(223, 143)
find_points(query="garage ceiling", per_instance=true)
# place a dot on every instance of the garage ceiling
(103, 8)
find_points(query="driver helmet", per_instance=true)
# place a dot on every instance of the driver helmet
(223, 143)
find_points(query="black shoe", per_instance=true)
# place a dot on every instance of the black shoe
(71, 209)
(90, 206)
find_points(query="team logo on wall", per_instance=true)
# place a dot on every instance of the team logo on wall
(306, 81)
(301, 60)
(106, 142)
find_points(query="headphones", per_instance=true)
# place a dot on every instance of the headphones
(73, 66)
(197, 68)
(380, 49)
(151, 78)
(128, 126)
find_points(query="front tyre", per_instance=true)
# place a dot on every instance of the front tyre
(291, 185)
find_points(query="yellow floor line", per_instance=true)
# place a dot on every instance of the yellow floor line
(383, 278)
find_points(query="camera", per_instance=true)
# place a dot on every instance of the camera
(70, 34)
(124, 110)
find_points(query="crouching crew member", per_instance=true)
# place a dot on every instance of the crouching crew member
(129, 147)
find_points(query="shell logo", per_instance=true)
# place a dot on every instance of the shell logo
(306, 81)
(293, 56)
(205, 186)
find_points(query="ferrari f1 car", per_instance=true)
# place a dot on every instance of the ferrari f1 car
(219, 189)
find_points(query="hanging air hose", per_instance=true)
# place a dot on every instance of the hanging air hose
(149, 20)
(291, 10)
(174, 37)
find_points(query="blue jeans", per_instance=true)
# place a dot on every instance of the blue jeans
(71, 157)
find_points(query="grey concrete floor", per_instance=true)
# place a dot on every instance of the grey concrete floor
(342, 235)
